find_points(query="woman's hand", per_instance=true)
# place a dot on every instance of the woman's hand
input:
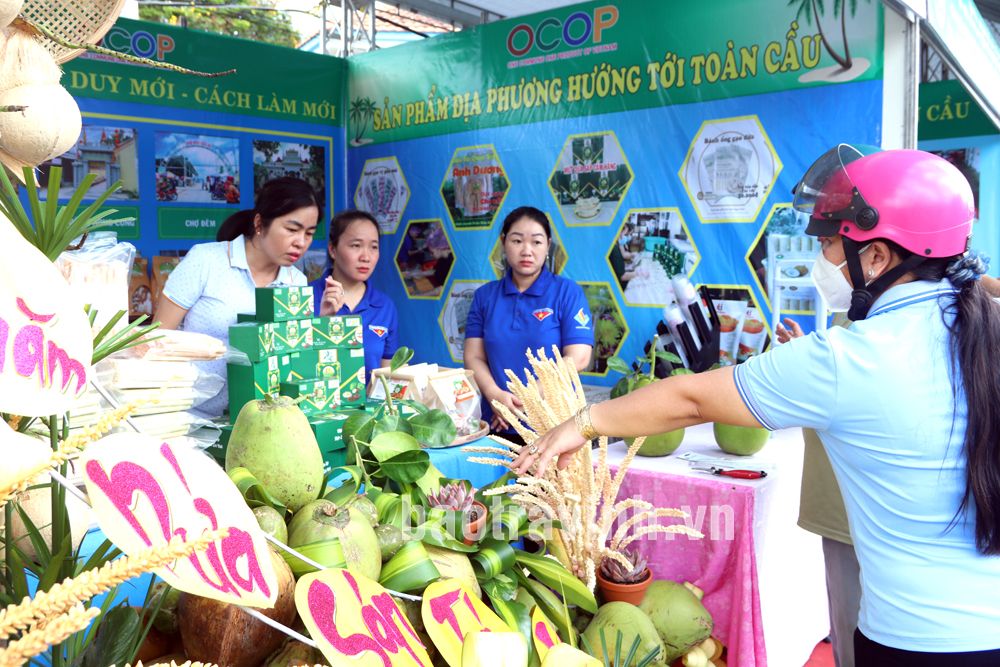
(561, 442)
(511, 401)
(333, 298)
(786, 334)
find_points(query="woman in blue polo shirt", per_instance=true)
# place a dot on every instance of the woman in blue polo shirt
(904, 402)
(343, 289)
(529, 308)
(255, 248)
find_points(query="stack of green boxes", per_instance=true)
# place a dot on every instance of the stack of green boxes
(291, 353)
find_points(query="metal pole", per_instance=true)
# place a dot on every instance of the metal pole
(345, 23)
(911, 101)
(322, 31)
(371, 33)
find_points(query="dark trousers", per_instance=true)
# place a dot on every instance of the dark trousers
(872, 654)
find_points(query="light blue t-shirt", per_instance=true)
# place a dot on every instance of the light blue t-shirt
(213, 283)
(880, 396)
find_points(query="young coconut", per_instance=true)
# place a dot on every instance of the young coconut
(335, 537)
(9, 9)
(272, 439)
(24, 60)
(223, 634)
(49, 126)
(678, 615)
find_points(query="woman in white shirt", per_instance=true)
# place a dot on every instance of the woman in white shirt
(257, 248)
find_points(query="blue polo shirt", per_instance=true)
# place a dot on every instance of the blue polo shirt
(378, 317)
(552, 311)
(880, 396)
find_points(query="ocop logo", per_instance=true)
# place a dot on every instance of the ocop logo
(576, 29)
(139, 43)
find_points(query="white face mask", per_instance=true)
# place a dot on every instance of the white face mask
(831, 282)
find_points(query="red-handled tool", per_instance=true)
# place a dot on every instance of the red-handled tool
(738, 474)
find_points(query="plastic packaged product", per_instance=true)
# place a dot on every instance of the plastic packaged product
(753, 335)
(98, 275)
(731, 316)
(176, 345)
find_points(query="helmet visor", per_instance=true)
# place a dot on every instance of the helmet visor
(826, 193)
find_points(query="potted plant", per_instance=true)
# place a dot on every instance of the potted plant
(624, 577)
(637, 376)
(461, 499)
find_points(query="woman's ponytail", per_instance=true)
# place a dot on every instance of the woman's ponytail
(239, 223)
(975, 333)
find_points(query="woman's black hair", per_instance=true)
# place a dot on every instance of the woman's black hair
(529, 212)
(276, 198)
(343, 220)
(975, 332)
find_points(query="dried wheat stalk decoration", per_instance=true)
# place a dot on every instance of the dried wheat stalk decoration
(32, 613)
(582, 497)
(55, 631)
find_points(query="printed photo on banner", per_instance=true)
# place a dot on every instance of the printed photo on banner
(652, 246)
(424, 259)
(474, 187)
(590, 178)
(383, 192)
(782, 259)
(729, 170)
(110, 153)
(744, 330)
(274, 159)
(197, 168)
(609, 325)
(455, 313)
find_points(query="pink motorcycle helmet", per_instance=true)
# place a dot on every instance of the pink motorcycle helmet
(916, 199)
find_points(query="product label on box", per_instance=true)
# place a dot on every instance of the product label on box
(352, 375)
(321, 396)
(279, 304)
(338, 331)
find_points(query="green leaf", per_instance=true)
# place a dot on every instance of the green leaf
(115, 639)
(391, 424)
(386, 445)
(668, 356)
(514, 614)
(406, 467)
(253, 491)
(618, 365)
(34, 534)
(494, 558)
(51, 575)
(348, 488)
(553, 574)
(435, 535)
(400, 358)
(411, 569)
(416, 406)
(101, 555)
(433, 429)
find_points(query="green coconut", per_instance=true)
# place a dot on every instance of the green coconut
(272, 439)
(632, 623)
(334, 537)
(271, 522)
(678, 616)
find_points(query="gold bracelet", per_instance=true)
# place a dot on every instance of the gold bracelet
(583, 424)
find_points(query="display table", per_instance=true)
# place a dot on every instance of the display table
(762, 575)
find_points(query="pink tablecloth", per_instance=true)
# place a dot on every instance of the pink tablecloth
(723, 564)
(762, 575)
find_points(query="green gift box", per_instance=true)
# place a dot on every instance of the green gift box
(329, 433)
(280, 304)
(320, 396)
(352, 376)
(338, 331)
(253, 381)
(320, 364)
